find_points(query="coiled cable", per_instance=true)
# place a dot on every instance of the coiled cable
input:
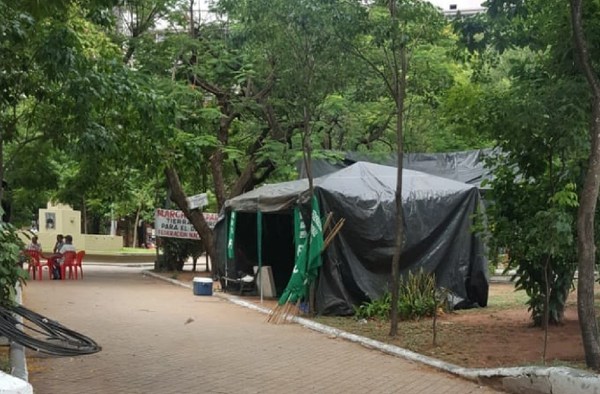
(44, 335)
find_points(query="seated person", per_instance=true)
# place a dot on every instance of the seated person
(53, 258)
(34, 245)
(59, 243)
(66, 247)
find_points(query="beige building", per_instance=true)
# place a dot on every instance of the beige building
(62, 219)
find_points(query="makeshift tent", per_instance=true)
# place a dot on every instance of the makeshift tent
(438, 216)
(464, 166)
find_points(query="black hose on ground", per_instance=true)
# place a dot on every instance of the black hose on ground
(41, 334)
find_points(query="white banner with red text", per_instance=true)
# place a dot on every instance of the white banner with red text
(173, 224)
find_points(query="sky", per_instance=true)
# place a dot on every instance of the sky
(443, 4)
(202, 7)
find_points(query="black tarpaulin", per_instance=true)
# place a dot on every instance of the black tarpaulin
(464, 166)
(438, 215)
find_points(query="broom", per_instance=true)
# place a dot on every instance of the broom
(285, 312)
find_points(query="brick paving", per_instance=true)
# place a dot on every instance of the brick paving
(160, 338)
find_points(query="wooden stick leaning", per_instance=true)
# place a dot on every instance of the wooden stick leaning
(336, 229)
(283, 313)
(327, 221)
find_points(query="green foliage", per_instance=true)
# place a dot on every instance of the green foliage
(535, 108)
(549, 266)
(131, 104)
(376, 309)
(11, 272)
(176, 252)
(539, 233)
(418, 297)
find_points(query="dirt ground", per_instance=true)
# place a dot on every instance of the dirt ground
(499, 335)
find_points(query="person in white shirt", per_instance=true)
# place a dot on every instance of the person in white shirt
(34, 245)
(66, 247)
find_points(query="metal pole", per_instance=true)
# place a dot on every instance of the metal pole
(259, 251)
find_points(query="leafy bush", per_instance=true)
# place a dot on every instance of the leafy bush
(11, 272)
(176, 252)
(418, 297)
(376, 309)
(532, 211)
(541, 249)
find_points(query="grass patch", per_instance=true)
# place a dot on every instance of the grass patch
(500, 335)
(138, 250)
(507, 298)
(124, 251)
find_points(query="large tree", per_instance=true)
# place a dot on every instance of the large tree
(539, 115)
(45, 47)
(260, 79)
(386, 42)
(532, 103)
(586, 246)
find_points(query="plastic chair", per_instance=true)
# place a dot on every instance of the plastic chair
(33, 263)
(50, 264)
(245, 282)
(78, 262)
(69, 259)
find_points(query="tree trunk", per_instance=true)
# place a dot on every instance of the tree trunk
(399, 85)
(216, 166)
(135, 227)
(129, 52)
(587, 249)
(195, 216)
(587, 203)
(1, 168)
(217, 158)
(245, 180)
(84, 214)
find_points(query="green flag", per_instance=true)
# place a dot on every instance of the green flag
(315, 242)
(231, 235)
(308, 255)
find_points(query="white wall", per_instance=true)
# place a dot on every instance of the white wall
(461, 5)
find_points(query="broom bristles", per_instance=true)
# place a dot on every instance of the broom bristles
(283, 313)
(286, 311)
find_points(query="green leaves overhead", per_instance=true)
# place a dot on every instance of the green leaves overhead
(237, 89)
(526, 94)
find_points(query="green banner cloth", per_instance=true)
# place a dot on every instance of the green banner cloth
(308, 255)
(231, 235)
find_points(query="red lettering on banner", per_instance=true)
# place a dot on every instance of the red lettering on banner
(174, 224)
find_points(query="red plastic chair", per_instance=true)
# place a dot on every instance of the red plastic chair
(50, 264)
(69, 259)
(33, 263)
(78, 262)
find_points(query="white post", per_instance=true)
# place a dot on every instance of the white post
(113, 222)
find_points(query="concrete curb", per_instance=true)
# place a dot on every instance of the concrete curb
(17, 381)
(18, 360)
(518, 380)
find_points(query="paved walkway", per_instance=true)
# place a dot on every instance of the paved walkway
(160, 338)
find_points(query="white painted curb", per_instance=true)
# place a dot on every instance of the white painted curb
(16, 384)
(11, 385)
